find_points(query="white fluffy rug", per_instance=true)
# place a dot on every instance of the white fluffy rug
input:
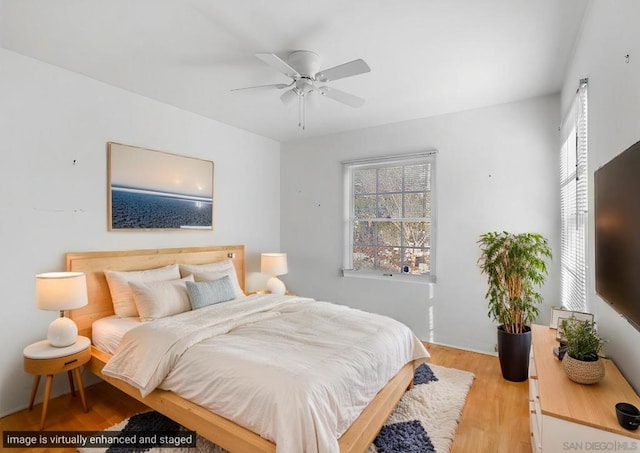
(424, 421)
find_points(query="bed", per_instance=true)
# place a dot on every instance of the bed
(220, 430)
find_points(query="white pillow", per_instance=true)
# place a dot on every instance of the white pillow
(213, 271)
(162, 298)
(124, 305)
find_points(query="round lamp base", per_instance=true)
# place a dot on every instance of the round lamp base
(276, 286)
(62, 332)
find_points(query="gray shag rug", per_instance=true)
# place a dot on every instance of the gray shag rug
(424, 421)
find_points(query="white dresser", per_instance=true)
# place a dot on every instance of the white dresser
(566, 416)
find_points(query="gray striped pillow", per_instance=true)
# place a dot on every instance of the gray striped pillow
(202, 294)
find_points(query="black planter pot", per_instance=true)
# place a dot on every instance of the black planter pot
(513, 351)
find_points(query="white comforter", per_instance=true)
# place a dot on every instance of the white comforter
(294, 370)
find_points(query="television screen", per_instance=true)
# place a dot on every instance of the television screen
(617, 233)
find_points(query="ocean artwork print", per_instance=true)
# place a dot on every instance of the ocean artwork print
(139, 208)
(157, 190)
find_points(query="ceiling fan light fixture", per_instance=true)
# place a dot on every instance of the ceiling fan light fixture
(288, 96)
(304, 85)
(301, 66)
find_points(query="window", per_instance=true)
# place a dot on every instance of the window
(573, 203)
(389, 219)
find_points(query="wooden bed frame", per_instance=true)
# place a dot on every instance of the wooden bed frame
(217, 429)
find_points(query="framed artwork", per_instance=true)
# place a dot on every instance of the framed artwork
(151, 190)
(557, 313)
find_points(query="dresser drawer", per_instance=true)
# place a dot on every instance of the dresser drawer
(535, 425)
(534, 394)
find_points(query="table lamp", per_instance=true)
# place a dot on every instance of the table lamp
(61, 291)
(274, 264)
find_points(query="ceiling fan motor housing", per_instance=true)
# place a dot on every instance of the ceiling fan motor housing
(307, 63)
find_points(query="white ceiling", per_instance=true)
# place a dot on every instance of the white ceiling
(427, 57)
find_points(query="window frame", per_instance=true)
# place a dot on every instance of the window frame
(574, 183)
(349, 166)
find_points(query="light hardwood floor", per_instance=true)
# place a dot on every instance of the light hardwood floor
(495, 416)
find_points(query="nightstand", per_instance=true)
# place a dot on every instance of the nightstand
(42, 359)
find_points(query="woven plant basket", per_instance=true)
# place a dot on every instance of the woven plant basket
(583, 372)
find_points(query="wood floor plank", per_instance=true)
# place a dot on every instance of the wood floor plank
(494, 419)
(496, 414)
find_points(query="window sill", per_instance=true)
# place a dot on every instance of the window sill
(399, 277)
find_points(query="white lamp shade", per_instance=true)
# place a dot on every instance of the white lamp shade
(61, 290)
(273, 263)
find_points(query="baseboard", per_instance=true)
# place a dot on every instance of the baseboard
(493, 354)
(12, 411)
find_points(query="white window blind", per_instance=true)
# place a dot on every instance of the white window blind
(389, 216)
(573, 203)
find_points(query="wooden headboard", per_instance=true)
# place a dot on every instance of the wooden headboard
(93, 264)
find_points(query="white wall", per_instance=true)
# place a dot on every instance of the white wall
(496, 169)
(50, 118)
(609, 33)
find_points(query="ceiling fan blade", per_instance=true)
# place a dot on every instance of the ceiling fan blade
(341, 96)
(349, 69)
(289, 96)
(277, 86)
(278, 64)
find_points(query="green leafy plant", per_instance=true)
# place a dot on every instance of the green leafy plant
(515, 266)
(583, 341)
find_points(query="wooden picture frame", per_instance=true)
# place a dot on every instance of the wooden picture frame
(557, 313)
(156, 190)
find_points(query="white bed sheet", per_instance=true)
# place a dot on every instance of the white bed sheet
(107, 333)
(296, 371)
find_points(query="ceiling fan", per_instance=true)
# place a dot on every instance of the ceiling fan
(302, 66)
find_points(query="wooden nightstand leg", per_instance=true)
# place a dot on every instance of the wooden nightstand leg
(45, 402)
(73, 390)
(76, 371)
(34, 390)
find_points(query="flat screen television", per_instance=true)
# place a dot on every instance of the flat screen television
(617, 233)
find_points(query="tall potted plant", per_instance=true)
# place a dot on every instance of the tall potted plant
(515, 265)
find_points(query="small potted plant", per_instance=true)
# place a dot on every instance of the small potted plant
(515, 265)
(582, 363)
